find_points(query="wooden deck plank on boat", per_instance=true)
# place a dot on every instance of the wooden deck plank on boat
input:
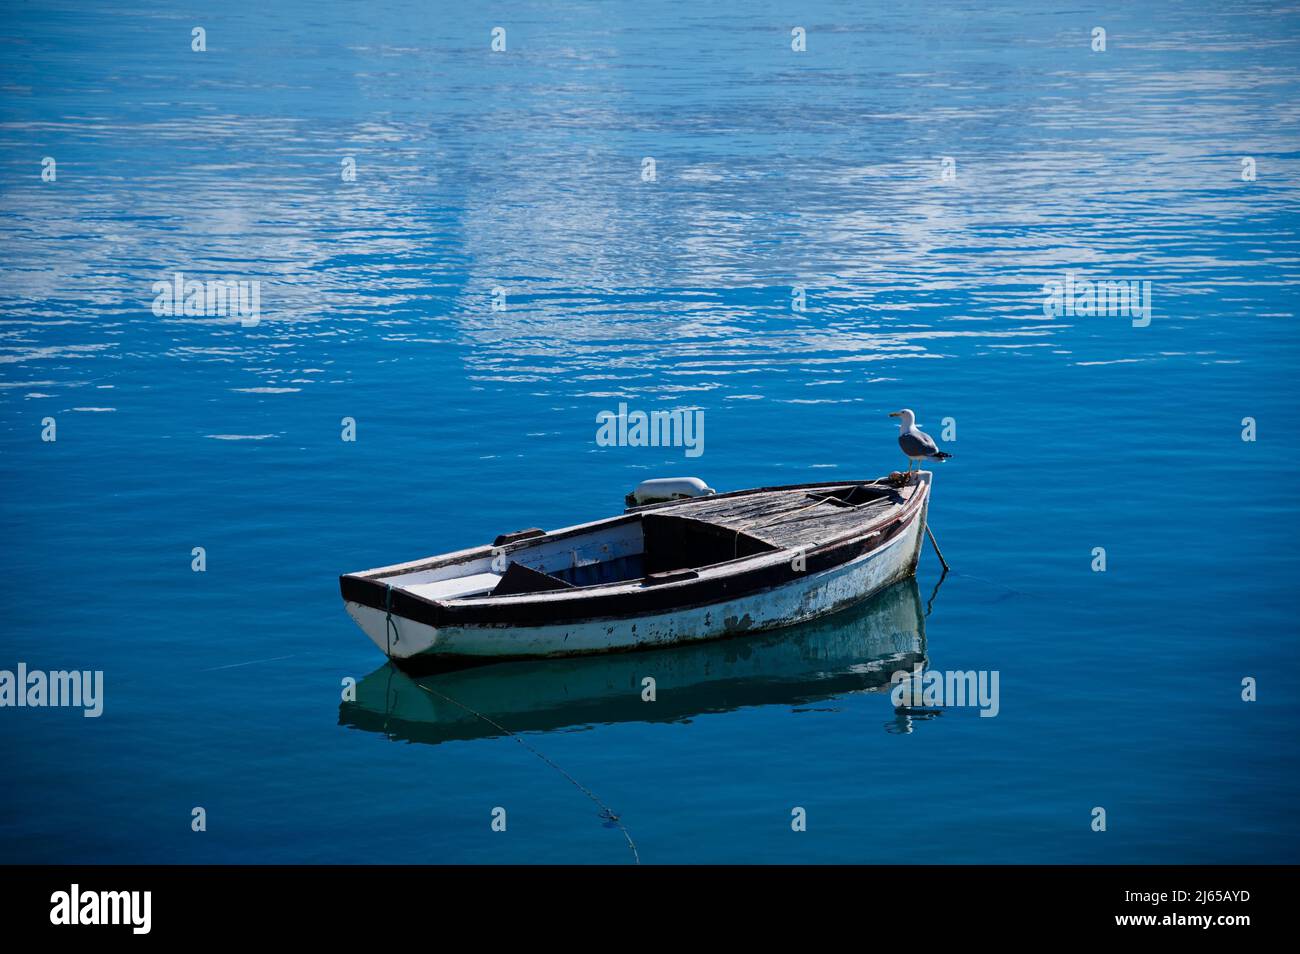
(813, 530)
(790, 518)
(727, 509)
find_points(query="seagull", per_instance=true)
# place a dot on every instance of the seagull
(916, 445)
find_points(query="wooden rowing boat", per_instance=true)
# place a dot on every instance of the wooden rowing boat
(663, 573)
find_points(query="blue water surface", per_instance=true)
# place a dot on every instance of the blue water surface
(522, 171)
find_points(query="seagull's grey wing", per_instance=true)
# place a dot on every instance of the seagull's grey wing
(917, 444)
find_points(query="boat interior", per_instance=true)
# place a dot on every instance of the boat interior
(653, 544)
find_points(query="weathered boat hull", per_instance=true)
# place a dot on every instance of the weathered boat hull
(804, 597)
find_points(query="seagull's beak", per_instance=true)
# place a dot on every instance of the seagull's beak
(895, 413)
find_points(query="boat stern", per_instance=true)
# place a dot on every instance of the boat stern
(383, 612)
(396, 637)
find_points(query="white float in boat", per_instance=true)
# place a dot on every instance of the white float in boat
(661, 489)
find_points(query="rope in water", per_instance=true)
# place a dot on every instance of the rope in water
(935, 592)
(935, 544)
(390, 630)
(605, 811)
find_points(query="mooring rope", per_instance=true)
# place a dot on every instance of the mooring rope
(605, 811)
(935, 592)
(935, 544)
(390, 628)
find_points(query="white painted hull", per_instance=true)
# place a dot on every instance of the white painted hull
(802, 599)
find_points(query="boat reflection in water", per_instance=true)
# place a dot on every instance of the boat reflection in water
(857, 650)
